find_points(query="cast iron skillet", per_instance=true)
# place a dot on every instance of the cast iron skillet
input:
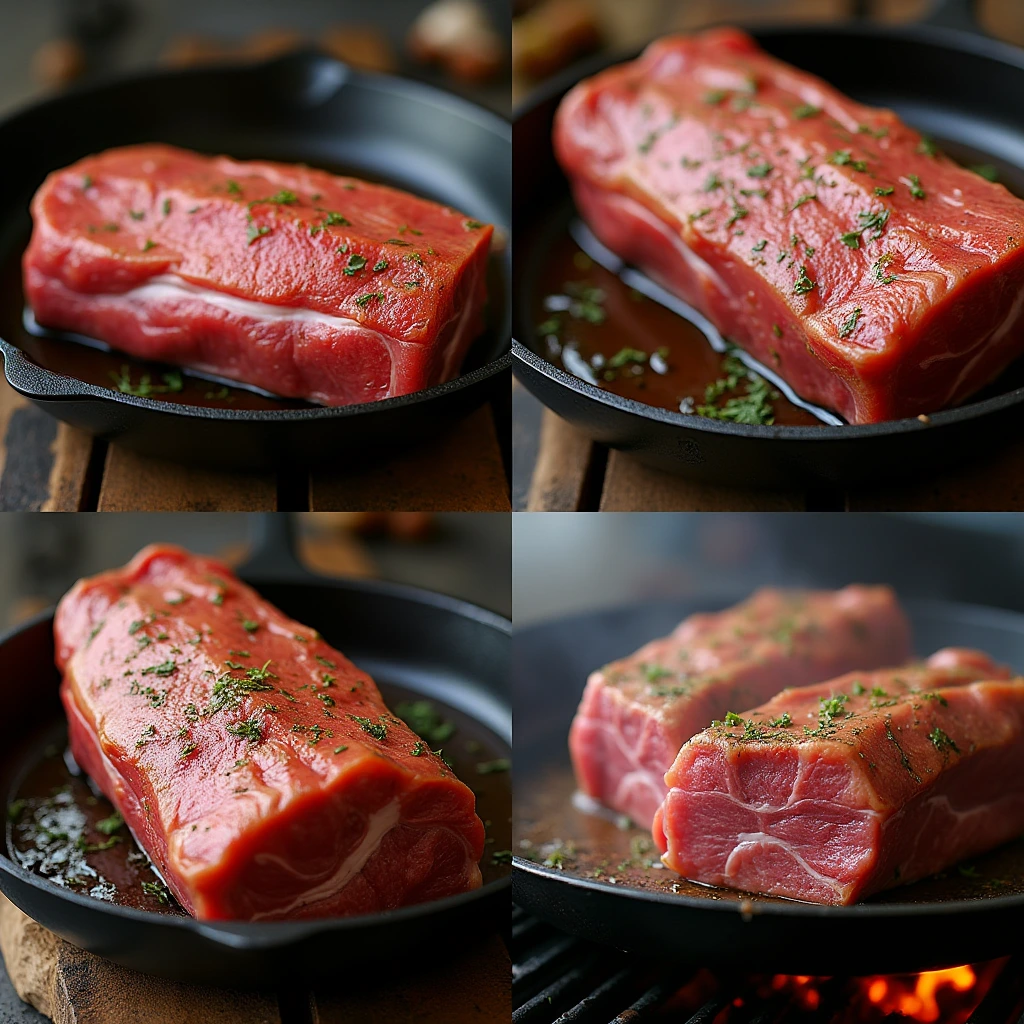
(935, 923)
(434, 645)
(957, 86)
(303, 108)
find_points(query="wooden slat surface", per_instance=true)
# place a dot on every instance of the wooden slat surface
(462, 470)
(133, 482)
(563, 462)
(629, 485)
(67, 486)
(572, 473)
(70, 986)
(47, 465)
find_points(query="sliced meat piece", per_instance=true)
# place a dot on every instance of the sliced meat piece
(636, 713)
(831, 792)
(301, 282)
(827, 238)
(255, 764)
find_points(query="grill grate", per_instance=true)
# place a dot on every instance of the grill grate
(560, 979)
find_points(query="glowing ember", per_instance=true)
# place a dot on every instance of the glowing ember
(948, 996)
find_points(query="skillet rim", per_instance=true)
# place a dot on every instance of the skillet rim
(256, 935)
(956, 39)
(39, 383)
(965, 611)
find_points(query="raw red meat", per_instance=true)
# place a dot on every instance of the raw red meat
(256, 765)
(297, 281)
(636, 713)
(832, 792)
(827, 238)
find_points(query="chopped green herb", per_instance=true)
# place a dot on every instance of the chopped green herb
(355, 264)
(136, 214)
(426, 721)
(234, 188)
(851, 238)
(714, 96)
(470, 225)
(365, 300)
(759, 247)
(158, 891)
(915, 187)
(108, 826)
(806, 110)
(784, 721)
(165, 668)
(803, 283)
(986, 171)
(873, 219)
(378, 730)
(248, 729)
(879, 268)
(927, 147)
(850, 323)
(761, 170)
(843, 158)
(884, 190)
(806, 198)
(380, 265)
(941, 741)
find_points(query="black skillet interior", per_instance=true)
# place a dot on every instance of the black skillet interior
(409, 640)
(301, 108)
(935, 923)
(958, 87)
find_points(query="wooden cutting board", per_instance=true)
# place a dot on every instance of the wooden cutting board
(71, 986)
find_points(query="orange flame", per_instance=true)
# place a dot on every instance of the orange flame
(920, 1002)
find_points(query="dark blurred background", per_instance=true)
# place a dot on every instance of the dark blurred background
(460, 45)
(567, 562)
(465, 555)
(547, 35)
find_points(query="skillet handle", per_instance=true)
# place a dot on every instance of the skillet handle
(959, 14)
(273, 555)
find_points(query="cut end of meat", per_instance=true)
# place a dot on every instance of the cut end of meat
(303, 283)
(829, 793)
(256, 765)
(636, 713)
(827, 238)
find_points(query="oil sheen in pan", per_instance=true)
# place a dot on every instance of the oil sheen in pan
(60, 826)
(558, 829)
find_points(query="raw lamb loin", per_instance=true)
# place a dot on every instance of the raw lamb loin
(303, 283)
(831, 792)
(636, 713)
(255, 764)
(827, 238)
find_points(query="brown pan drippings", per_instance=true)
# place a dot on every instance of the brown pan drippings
(54, 812)
(554, 832)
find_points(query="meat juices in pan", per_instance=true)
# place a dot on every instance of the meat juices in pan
(636, 713)
(829, 793)
(303, 283)
(256, 765)
(828, 239)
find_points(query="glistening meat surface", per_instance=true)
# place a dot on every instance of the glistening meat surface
(255, 764)
(301, 282)
(636, 713)
(825, 237)
(829, 793)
